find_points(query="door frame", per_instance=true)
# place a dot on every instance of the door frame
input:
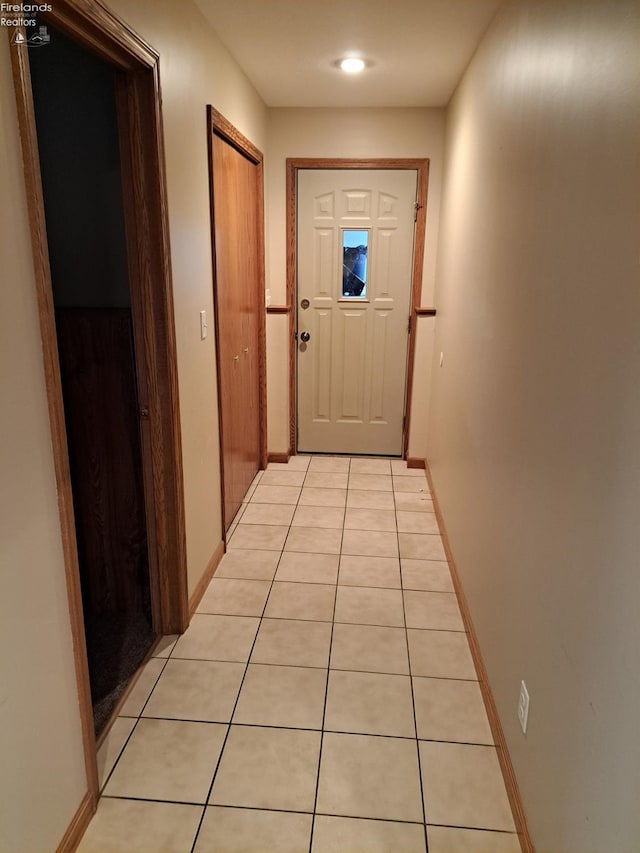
(296, 164)
(220, 126)
(138, 105)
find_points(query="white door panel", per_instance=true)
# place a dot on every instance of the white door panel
(352, 371)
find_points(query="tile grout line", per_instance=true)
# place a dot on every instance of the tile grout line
(235, 704)
(307, 729)
(470, 827)
(413, 698)
(337, 669)
(337, 622)
(135, 725)
(326, 691)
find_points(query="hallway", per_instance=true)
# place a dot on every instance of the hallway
(323, 698)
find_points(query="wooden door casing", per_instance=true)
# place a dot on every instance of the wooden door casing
(352, 373)
(236, 199)
(293, 167)
(144, 196)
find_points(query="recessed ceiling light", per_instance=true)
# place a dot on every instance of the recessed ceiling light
(352, 65)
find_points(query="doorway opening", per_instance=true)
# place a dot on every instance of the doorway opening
(356, 232)
(140, 329)
(76, 121)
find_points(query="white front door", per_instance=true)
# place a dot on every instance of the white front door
(354, 261)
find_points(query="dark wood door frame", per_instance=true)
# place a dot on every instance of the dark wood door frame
(138, 99)
(219, 126)
(294, 165)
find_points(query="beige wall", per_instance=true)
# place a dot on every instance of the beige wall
(535, 421)
(42, 779)
(40, 740)
(343, 133)
(195, 70)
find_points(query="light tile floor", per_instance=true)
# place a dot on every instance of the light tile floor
(324, 697)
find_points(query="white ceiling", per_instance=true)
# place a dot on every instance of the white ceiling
(417, 49)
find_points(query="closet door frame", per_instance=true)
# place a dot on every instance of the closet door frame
(218, 125)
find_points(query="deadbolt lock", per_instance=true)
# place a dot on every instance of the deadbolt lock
(305, 304)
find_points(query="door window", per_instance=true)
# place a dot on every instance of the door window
(355, 248)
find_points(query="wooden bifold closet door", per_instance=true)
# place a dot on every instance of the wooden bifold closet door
(238, 302)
